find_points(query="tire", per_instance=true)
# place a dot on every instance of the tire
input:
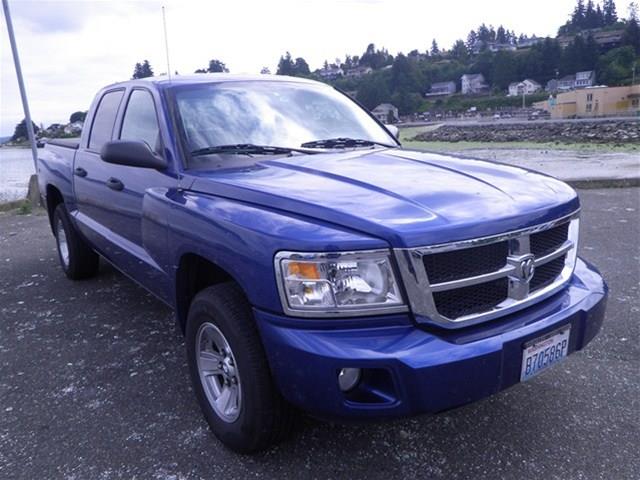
(257, 417)
(77, 259)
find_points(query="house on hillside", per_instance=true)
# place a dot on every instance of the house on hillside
(528, 42)
(358, 71)
(571, 82)
(525, 87)
(585, 79)
(481, 45)
(473, 83)
(331, 72)
(607, 39)
(386, 113)
(441, 88)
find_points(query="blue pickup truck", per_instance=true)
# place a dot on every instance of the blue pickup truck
(313, 263)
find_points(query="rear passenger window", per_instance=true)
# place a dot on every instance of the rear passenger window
(140, 122)
(104, 119)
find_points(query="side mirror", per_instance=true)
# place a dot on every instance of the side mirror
(132, 154)
(393, 130)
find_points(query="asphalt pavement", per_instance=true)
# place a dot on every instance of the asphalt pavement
(94, 385)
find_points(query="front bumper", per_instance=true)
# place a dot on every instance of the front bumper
(408, 370)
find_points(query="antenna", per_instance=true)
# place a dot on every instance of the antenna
(166, 42)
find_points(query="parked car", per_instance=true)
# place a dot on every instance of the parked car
(313, 263)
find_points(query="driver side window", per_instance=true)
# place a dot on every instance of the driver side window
(140, 122)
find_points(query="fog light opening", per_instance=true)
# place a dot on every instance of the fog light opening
(348, 378)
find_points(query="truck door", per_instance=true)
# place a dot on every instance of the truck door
(90, 173)
(132, 193)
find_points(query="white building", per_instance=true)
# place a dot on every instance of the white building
(358, 72)
(386, 113)
(585, 79)
(331, 72)
(442, 88)
(473, 83)
(525, 87)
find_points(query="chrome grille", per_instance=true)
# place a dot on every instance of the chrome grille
(467, 282)
(467, 262)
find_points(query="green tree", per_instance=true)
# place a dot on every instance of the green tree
(301, 67)
(20, 132)
(504, 69)
(615, 67)
(285, 65)
(459, 51)
(77, 117)
(434, 48)
(217, 66)
(631, 36)
(373, 92)
(375, 59)
(142, 70)
(609, 11)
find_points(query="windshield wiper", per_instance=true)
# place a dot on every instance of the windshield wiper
(344, 142)
(246, 149)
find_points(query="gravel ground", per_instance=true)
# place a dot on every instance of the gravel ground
(568, 165)
(93, 384)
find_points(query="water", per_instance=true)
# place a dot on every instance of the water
(16, 166)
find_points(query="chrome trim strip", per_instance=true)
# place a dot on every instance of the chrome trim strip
(476, 242)
(566, 246)
(420, 292)
(468, 281)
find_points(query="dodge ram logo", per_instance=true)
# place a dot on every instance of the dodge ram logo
(527, 269)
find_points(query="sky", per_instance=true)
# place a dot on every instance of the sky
(70, 49)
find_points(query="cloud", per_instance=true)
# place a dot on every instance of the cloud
(49, 17)
(70, 49)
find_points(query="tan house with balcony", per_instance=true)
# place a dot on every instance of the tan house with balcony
(594, 102)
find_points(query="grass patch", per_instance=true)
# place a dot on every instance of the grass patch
(456, 146)
(25, 208)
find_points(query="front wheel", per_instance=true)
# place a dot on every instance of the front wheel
(77, 259)
(230, 373)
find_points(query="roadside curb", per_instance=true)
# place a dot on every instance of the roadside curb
(593, 183)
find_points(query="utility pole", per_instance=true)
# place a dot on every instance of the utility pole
(23, 92)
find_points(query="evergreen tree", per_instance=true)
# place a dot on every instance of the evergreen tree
(21, 133)
(265, 71)
(142, 70)
(472, 38)
(459, 51)
(217, 66)
(434, 47)
(631, 36)
(285, 65)
(301, 67)
(77, 117)
(590, 19)
(609, 12)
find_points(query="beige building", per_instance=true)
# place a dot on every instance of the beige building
(593, 102)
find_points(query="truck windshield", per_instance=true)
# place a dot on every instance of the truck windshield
(272, 113)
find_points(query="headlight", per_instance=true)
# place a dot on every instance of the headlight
(331, 284)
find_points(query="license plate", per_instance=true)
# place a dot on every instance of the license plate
(540, 353)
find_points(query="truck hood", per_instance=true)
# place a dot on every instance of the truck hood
(406, 197)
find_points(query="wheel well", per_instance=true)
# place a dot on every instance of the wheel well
(54, 198)
(195, 273)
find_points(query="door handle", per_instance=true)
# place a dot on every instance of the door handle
(115, 184)
(80, 172)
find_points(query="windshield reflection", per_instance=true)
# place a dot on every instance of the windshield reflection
(274, 113)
